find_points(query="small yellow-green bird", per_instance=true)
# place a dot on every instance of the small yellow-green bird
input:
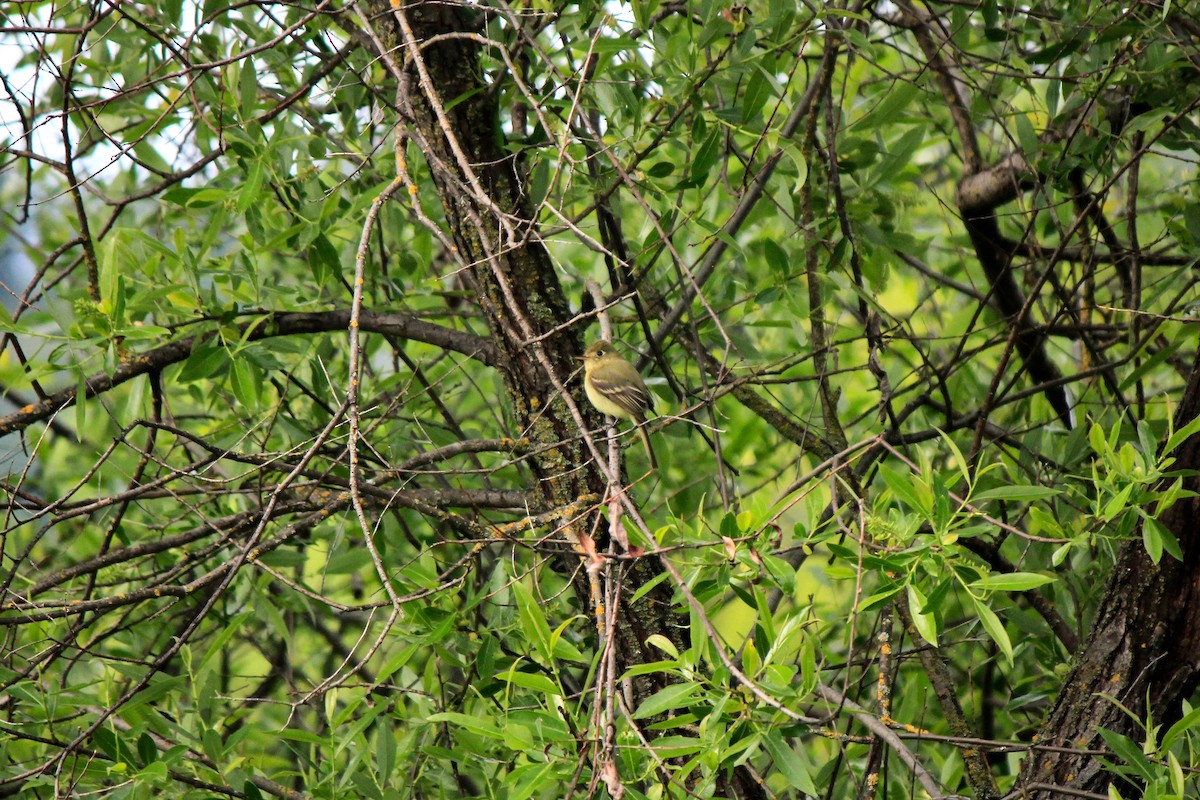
(615, 388)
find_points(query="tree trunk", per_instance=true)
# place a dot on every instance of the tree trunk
(504, 263)
(1143, 650)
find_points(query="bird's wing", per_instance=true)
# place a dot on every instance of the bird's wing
(635, 400)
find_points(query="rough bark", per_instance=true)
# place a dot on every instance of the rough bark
(512, 277)
(1143, 651)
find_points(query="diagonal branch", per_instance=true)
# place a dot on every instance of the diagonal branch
(980, 192)
(289, 323)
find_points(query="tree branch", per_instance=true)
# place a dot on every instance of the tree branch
(284, 323)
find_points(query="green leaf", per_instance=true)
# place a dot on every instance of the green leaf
(882, 596)
(147, 749)
(705, 156)
(1147, 367)
(782, 573)
(648, 586)
(1015, 492)
(251, 191)
(323, 260)
(533, 621)
(995, 629)
(926, 623)
(1053, 95)
(215, 647)
(1176, 773)
(1168, 497)
(1130, 752)
(676, 746)
(245, 380)
(247, 87)
(1158, 537)
(677, 695)
(900, 96)
(518, 737)
(153, 773)
(205, 361)
(1178, 437)
(960, 460)
(751, 661)
(294, 735)
(464, 97)
(911, 490)
(111, 256)
(385, 750)
(809, 675)
(480, 725)
(651, 667)
(801, 169)
(562, 647)
(1044, 523)
(660, 170)
(663, 643)
(900, 153)
(1026, 137)
(214, 744)
(81, 409)
(195, 198)
(1117, 503)
(529, 680)
(526, 780)
(1011, 581)
(161, 686)
(794, 770)
(990, 13)
(776, 258)
(787, 641)
(1186, 723)
(1097, 440)
(109, 744)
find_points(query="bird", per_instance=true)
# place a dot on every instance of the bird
(615, 388)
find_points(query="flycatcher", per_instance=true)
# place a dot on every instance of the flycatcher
(615, 388)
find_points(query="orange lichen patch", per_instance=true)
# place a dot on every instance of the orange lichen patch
(909, 727)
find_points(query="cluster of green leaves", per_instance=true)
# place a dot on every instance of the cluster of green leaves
(238, 188)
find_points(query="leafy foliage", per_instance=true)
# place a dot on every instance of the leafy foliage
(276, 518)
